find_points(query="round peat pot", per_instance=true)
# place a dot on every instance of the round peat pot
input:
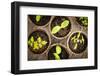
(38, 41)
(57, 52)
(77, 42)
(40, 20)
(83, 21)
(60, 26)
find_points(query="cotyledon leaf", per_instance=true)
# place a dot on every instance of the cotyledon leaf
(55, 29)
(58, 49)
(57, 57)
(65, 23)
(38, 17)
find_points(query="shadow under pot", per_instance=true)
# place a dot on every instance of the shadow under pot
(60, 26)
(77, 42)
(83, 21)
(40, 20)
(57, 52)
(38, 41)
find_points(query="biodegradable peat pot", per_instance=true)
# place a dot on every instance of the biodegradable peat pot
(63, 31)
(83, 21)
(37, 46)
(63, 54)
(77, 42)
(42, 21)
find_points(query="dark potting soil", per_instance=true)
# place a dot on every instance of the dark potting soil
(57, 21)
(81, 47)
(63, 54)
(44, 36)
(44, 20)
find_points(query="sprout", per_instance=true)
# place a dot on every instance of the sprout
(64, 24)
(57, 57)
(75, 47)
(76, 40)
(39, 43)
(56, 29)
(38, 17)
(58, 49)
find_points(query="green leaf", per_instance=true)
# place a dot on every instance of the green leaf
(64, 24)
(55, 29)
(57, 57)
(32, 39)
(58, 49)
(39, 39)
(75, 47)
(35, 45)
(83, 39)
(78, 35)
(40, 45)
(44, 42)
(38, 17)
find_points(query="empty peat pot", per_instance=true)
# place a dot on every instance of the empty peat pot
(38, 41)
(60, 26)
(40, 20)
(57, 52)
(77, 42)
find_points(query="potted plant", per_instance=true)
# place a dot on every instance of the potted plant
(57, 52)
(60, 26)
(83, 21)
(38, 41)
(77, 42)
(40, 20)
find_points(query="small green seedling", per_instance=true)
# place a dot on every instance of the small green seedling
(38, 17)
(84, 21)
(57, 28)
(77, 39)
(58, 51)
(39, 43)
(57, 57)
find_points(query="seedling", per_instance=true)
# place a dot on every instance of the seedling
(38, 18)
(84, 21)
(38, 44)
(58, 51)
(77, 39)
(57, 28)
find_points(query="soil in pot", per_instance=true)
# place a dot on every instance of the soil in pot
(60, 26)
(57, 52)
(77, 42)
(38, 41)
(83, 21)
(40, 20)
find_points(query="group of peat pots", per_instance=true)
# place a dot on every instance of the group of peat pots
(57, 37)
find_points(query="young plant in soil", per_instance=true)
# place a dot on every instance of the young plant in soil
(83, 21)
(78, 42)
(60, 26)
(57, 53)
(38, 42)
(40, 20)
